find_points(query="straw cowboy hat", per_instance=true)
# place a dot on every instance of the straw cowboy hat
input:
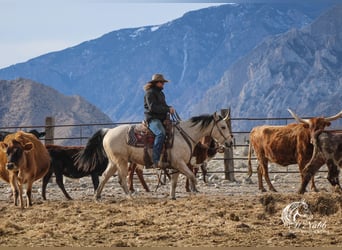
(158, 78)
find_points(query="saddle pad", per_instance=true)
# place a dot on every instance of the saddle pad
(137, 138)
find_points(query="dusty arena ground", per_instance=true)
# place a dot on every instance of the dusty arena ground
(224, 214)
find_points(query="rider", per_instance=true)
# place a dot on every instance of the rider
(156, 111)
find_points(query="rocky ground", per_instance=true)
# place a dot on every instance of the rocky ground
(224, 213)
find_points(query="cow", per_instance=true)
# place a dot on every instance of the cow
(327, 146)
(133, 168)
(38, 134)
(285, 145)
(63, 164)
(24, 160)
(203, 152)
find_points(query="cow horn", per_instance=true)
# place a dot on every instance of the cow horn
(334, 117)
(226, 117)
(297, 118)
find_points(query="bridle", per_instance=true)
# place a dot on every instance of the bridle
(221, 133)
(187, 137)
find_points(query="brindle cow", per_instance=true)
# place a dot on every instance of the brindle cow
(327, 145)
(204, 151)
(24, 159)
(285, 145)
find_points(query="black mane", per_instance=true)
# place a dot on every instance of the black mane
(204, 120)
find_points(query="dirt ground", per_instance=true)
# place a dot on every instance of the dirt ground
(224, 214)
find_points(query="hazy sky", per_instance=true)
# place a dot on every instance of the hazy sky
(29, 28)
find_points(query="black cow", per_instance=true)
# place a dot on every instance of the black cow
(63, 162)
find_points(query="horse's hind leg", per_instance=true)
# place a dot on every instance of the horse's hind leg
(174, 179)
(123, 172)
(110, 171)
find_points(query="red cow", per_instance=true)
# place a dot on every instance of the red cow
(285, 145)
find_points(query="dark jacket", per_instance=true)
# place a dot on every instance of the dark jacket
(154, 103)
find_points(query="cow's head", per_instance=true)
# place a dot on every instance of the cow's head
(316, 124)
(15, 152)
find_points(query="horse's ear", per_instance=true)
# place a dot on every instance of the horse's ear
(216, 116)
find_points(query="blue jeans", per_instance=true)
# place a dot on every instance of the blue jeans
(158, 130)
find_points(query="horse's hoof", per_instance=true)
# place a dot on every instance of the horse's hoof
(173, 198)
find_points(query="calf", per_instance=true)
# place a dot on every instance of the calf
(285, 145)
(26, 160)
(327, 144)
(204, 151)
(63, 163)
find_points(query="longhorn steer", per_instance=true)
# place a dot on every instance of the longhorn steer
(23, 160)
(285, 145)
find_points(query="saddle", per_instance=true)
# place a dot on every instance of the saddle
(142, 137)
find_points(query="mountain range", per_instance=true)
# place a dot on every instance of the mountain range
(257, 59)
(300, 69)
(27, 103)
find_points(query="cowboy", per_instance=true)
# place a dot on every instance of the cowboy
(156, 111)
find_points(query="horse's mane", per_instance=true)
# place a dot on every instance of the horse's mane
(203, 120)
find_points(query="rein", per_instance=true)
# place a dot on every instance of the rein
(186, 138)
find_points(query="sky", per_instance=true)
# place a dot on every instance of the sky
(30, 28)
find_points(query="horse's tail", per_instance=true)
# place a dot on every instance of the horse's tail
(93, 155)
(250, 170)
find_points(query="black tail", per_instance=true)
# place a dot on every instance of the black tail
(93, 155)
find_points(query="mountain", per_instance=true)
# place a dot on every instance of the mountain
(193, 52)
(300, 69)
(27, 103)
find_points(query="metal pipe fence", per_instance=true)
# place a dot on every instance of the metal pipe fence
(85, 131)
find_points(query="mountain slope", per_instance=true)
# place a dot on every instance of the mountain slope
(193, 52)
(27, 103)
(301, 69)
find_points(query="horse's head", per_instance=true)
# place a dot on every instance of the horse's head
(221, 132)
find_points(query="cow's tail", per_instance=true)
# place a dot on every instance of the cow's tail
(250, 170)
(93, 154)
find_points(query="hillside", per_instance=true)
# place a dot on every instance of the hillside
(27, 103)
(301, 69)
(193, 52)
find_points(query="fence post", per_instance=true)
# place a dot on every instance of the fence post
(228, 152)
(49, 130)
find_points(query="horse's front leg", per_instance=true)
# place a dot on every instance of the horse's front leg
(184, 169)
(110, 171)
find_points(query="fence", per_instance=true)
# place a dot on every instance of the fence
(84, 131)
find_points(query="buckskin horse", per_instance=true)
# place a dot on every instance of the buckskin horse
(186, 135)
